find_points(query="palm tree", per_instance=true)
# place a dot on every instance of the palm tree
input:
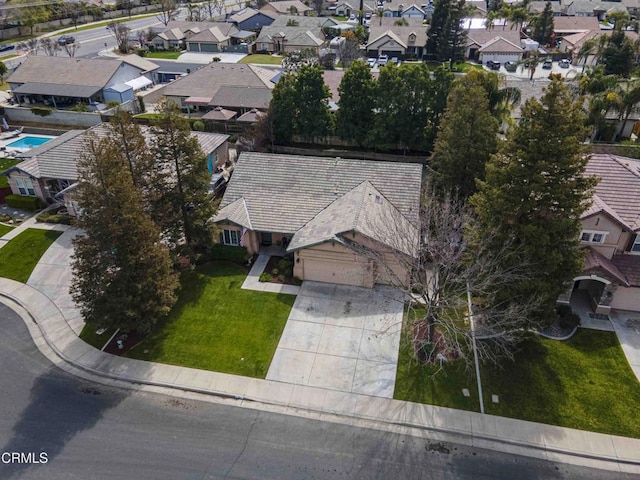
(599, 106)
(592, 47)
(625, 101)
(501, 99)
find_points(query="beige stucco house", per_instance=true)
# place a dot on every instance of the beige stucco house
(351, 222)
(611, 237)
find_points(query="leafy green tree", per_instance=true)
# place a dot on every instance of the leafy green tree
(543, 26)
(442, 80)
(501, 99)
(355, 116)
(618, 54)
(625, 99)
(447, 38)
(534, 193)
(282, 108)
(403, 107)
(312, 115)
(466, 140)
(123, 274)
(183, 197)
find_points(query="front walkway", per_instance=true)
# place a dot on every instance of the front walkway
(627, 328)
(581, 306)
(252, 282)
(341, 338)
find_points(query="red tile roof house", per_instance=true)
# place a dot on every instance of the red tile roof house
(611, 237)
(324, 211)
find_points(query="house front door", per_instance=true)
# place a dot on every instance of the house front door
(266, 239)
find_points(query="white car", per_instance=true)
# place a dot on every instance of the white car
(371, 62)
(382, 60)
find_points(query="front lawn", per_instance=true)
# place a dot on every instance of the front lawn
(215, 325)
(4, 229)
(19, 257)
(163, 54)
(259, 58)
(89, 335)
(584, 383)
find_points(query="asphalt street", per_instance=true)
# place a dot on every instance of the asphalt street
(89, 431)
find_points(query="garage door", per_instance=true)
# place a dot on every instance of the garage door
(347, 273)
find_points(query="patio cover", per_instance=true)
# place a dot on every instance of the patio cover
(138, 83)
(200, 101)
(251, 116)
(219, 113)
(38, 88)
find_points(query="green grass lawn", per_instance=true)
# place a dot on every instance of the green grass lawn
(164, 54)
(90, 336)
(216, 325)
(584, 383)
(259, 58)
(19, 257)
(4, 230)
(104, 23)
(4, 164)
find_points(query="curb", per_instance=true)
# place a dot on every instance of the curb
(430, 432)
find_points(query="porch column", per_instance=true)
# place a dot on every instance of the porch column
(565, 297)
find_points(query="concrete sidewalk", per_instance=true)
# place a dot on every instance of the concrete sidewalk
(54, 333)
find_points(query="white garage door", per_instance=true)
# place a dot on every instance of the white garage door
(336, 272)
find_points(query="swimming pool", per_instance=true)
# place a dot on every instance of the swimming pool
(29, 142)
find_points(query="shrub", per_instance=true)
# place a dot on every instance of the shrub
(265, 277)
(567, 320)
(23, 201)
(282, 278)
(80, 107)
(297, 281)
(47, 217)
(228, 252)
(198, 126)
(112, 103)
(5, 217)
(41, 111)
(275, 272)
(284, 264)
(141, 104)
(563, 310)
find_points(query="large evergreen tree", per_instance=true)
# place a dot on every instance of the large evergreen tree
(182, 189)
(312, 115)
(543, 26)
(447, 38)
(355, 117)
(534, 193)
(466, 140)
(282, 108)
(123, 274)
(618, 55)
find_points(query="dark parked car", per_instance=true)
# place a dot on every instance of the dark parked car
(66, 40)
(493, 65)
(6, 46)
(217, 184)
(511, 66)
(547, 64)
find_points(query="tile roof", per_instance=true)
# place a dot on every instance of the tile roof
(575, 24)
(241, 97)
(142, 63)
(219, 113)
(284, 6)
(501, 45)
(595, 262)
(67, 90)
(284, 192)
(619, 185)
(400, 34)
(247, 13)
(206, 81)
(212, 34)
(306, 22)
(481, 36)
(251, 116)
(294, 36)
(629, 265)
(363, 210)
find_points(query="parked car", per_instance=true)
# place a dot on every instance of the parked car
(564, 63)
(217, 184)
(547, 64)
(511, 66)
(383, 60)
(395, 60)
(367, 15)
(66, 40)
(493, 65)
(6, 46)
(371, 62)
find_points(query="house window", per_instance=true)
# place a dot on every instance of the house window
(25, 187)
(231, 237)
(592, 236)
(636, 244)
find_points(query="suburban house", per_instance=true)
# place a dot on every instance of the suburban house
(502, 42)
(250, 19)
(50, 170)
(345, 9)
(63, 82)
(499, 49)
(395, 41)
(233, 86)
(287, 7)
(326, 212)
(200, 36)
(564, 26)
(611, 238)
(402, 9)
(280, 39)
(591, 8)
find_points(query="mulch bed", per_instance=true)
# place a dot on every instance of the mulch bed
(273, 263)
(420, 334)
(129, 340)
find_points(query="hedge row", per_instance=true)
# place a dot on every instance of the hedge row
(24, 202)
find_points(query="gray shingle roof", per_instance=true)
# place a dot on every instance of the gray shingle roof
(619, 185)
(294, 36)
(65, 71)
(70, 90)
(284, 192)
(242, 97)
(363, 210)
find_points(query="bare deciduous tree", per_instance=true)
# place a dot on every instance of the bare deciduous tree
(446, 262)
(71, 48)
(167, 10)
(50, 46)
(120, 32)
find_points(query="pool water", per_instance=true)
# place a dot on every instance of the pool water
(28, 142)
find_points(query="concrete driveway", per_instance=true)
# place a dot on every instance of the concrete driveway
(341, 338)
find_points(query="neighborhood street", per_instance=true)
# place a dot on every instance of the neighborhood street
(91, 431)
